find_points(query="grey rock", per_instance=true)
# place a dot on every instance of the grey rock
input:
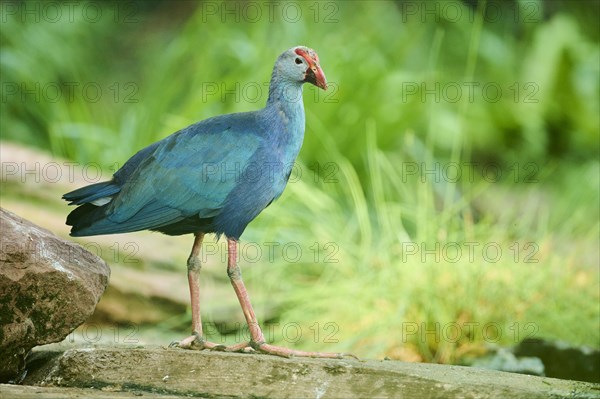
(563, 360)
(505, 360)
(48, 287)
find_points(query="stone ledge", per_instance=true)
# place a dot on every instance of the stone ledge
(33, 392)
(177, 372)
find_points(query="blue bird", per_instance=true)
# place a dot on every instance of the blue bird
(214, 176)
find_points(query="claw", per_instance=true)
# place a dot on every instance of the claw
(196, 342)
(352, 355)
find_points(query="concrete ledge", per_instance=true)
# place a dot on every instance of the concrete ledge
(177, 372)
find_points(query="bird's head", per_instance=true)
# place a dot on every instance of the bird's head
(301, 64)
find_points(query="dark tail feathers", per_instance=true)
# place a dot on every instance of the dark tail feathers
(87, 213)
(91, 193)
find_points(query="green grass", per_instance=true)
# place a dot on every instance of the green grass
(383, 296)
(357, 197)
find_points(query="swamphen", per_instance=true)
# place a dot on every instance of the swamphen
(214, 176)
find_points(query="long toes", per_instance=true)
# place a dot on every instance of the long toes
(187, 343)
(196, 342)
(215, 347)
(180, 345)
(238, 347)
(286, 352)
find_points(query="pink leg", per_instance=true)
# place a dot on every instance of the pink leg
(257, 339)
(196, 340)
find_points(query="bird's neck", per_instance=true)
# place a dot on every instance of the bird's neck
(284, 119)
(285, 102)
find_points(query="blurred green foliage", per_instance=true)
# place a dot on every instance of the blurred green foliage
(522, 85)
(511, 84)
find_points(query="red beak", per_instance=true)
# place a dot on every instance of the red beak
(314, 74)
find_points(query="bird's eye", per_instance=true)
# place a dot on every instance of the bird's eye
(298, 61)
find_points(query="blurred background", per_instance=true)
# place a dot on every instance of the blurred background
(446, 199)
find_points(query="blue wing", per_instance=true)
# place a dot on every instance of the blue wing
(188, 174)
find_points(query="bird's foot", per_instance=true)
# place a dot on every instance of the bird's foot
(197, 342)
(251, 346)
